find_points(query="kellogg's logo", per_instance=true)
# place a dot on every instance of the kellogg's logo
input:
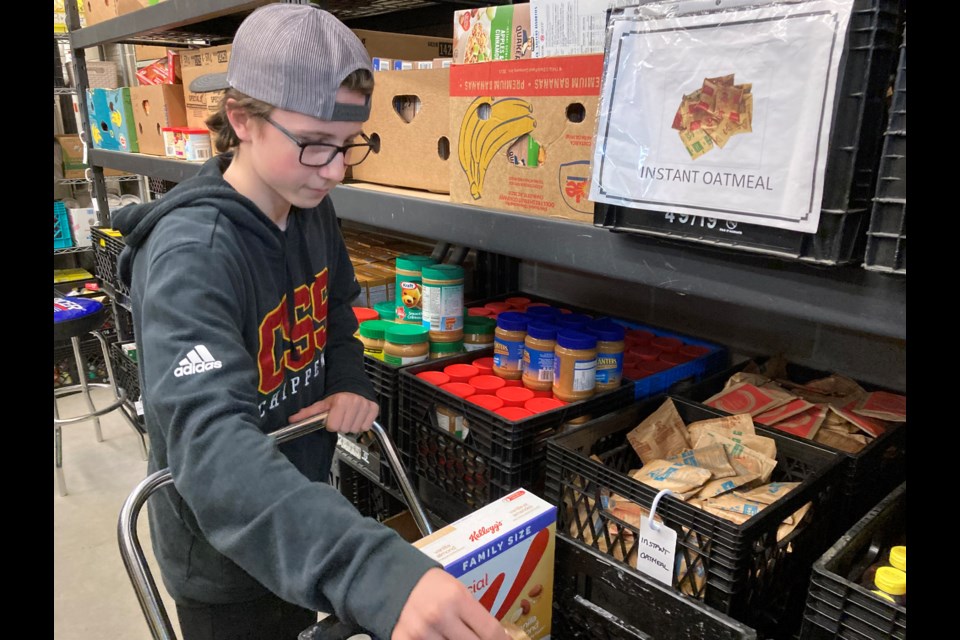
(482, 531)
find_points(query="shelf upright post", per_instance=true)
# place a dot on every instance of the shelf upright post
(80, 68)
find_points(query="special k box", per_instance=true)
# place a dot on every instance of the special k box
(503, 553)
(521, 134)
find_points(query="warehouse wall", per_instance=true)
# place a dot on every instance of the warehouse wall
(747, 332)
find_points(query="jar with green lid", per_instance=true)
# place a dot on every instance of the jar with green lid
(405, 344)
(409, 288)
(443, 302)
(478, 332)
(371, 334)
(387, 310)
(445, 349)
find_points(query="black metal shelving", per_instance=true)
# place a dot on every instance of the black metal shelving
(846, 297)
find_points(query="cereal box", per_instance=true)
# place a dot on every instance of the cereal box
(503, 553)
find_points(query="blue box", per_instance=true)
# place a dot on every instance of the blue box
(112, 125)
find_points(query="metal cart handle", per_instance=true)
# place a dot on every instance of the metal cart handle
(136, 563)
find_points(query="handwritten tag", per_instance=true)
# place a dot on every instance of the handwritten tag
(656, 550)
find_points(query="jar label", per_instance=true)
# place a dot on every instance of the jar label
(584, 374)
(609, 368)
(443, 307)
(409, 300)
(538, 364)
(373, 353)
(508, 354)
(399, 362)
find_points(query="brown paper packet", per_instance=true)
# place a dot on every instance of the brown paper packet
(732, 508)
(715, 488)
(792, 521)
(739, 424)
(841, 441)
(883, 405)
(697, 142)
(784, 411)
(746, 398)
(871, 426)
(744, 459)
(660, 435)
(713, 458)
(761, 444)
(679, 478)
(767, 493)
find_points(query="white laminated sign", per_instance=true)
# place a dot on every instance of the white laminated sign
(723, 113)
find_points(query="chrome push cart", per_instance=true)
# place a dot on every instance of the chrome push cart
(139, 572)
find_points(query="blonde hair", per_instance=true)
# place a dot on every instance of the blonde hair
(225, 138)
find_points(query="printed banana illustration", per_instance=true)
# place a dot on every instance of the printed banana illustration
(480, 139)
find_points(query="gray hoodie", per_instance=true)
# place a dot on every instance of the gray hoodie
(239, 325)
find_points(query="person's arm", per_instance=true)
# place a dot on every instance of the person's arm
(300, 539)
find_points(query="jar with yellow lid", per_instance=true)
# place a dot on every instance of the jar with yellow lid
(508, 340)
(575, 366)
(610, 346)
(478, 332)
(371, 334)
(405, 344)
(538, 356)
(443, 302)
(409, 288)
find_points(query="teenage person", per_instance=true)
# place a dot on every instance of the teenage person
(241, 289)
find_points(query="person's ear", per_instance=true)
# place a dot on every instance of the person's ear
(241, 121)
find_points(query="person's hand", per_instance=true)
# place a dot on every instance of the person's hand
(440, 607)
(346, 412)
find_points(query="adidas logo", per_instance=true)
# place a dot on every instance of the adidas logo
(198, 359)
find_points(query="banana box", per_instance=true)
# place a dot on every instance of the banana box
(521, 135)
(410, 116)
(504, 553)
(112, 126)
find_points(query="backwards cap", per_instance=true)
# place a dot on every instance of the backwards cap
(294, 57)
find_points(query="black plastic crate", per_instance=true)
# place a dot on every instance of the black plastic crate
(65, 367)
(594, 599)
(370, 499)
(125, 371)
(868, 474)
(740, 570)
(868, 59)
(837, 607)
(458, 476)
(887, 235)
(106, 252)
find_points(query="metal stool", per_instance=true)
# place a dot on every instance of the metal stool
(74, 329)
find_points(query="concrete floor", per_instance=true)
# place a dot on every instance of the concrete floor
(92, 595)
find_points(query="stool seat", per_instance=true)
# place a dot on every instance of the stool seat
(72, 318)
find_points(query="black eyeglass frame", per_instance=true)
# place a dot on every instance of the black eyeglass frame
(342, 149)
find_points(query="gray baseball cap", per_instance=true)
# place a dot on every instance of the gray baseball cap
(294, 57)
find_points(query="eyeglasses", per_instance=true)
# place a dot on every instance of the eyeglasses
(320, 154)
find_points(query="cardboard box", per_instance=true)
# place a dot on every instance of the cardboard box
(492, 33)
(570, 27)
(156, 107)
(144, 52)
(112, 125)
(100, 75)
(373, 286)
(554, 100)
(74, 168)
(100, 10)
(81, 221)
(186, 143)
(503, 553)
(60, 16)
(163, 71)
(198, 62)
(414, 154)
(404, 46)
